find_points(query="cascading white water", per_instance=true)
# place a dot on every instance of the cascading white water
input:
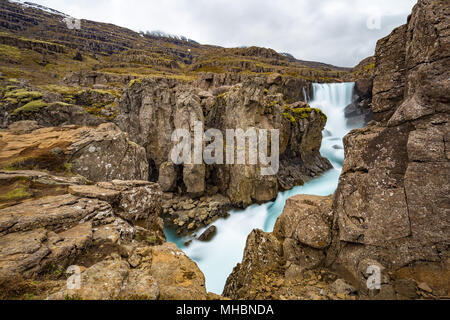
(332, 99)
(218, 257)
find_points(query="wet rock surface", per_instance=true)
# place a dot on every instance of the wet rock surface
(360, 111)
(208, 234)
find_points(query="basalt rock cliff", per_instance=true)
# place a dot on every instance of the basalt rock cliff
(391, 209)
(151, 110)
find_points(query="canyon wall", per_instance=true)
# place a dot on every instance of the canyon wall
(392, 203)
(151, 109)
(391, 209)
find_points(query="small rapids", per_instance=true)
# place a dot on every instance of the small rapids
(218, 257)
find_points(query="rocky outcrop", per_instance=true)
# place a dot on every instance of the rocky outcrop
(110, 234)
(99, 154)
(65, 220)
(151, 273)
(300, 240)
(391, 203)
(56, 114)
(151, 109)
(55, 105)
(390, 211)
(291, 88)
(18, 186)
(92, 78)
(185, 214)
(389, 81)
(38, 46)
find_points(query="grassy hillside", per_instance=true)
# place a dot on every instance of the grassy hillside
(38, 46)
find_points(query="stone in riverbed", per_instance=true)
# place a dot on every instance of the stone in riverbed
(208, 234)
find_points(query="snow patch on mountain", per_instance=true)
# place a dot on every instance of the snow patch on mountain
(39, 7)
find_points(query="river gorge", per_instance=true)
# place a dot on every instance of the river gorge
(218, 257)
(94, 207)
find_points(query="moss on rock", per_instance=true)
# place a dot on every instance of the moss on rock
(296, 114)
(16, 194)
(30, 107)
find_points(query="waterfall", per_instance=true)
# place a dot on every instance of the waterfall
(332, 99)
(218, 257)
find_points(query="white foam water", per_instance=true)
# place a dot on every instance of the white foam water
(218, 257)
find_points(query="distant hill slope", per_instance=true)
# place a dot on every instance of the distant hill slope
(109, 49)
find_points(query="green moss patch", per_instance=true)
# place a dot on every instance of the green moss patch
(133, 82)
(296, 114)
(30, 107)
(10, 53)
(16, 194)
(62, 104)
(23, 96)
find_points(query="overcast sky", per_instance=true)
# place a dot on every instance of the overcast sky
(330, 31)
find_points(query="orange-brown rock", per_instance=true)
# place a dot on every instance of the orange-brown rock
(99, 154)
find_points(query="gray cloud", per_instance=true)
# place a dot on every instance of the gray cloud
(331, 31)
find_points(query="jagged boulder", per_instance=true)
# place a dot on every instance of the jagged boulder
(263, 253)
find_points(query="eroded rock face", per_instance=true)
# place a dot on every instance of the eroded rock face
(58, 114)
(305, 219)
(299, 242)
(99, 154)
(55, 230)
(178, 276)
(391, 210)
(359, 113)
(263, 253)
(151, 273)
(392, 200)
(152, 109)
